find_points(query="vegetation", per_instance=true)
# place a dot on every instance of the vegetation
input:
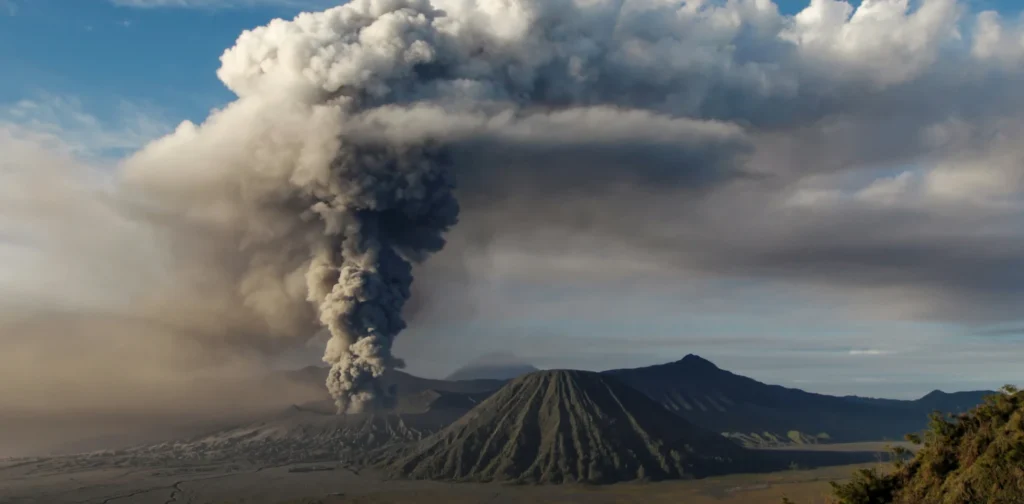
(971, 458)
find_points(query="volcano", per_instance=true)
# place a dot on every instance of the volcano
(568, 426)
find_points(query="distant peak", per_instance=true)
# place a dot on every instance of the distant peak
(696, 360)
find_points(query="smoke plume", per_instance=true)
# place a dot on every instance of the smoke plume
(335, 169)
(347, 212)
(383, 208)
(337, 161)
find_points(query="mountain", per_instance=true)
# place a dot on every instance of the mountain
(565, 426)
(496, 366)
(952, 402)
(755, 413)
(547, 427)
(746, 410)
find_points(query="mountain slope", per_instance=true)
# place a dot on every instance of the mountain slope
(973, 458)
(952, 402)
(759, 414)
(561, 426)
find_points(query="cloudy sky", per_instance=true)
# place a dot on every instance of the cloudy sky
(817, 194)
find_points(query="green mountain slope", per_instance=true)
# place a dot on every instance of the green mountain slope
(971, 458)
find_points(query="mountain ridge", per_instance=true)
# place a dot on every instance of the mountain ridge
(750, 412)
(756, 413)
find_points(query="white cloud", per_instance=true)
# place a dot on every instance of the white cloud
(995, 39)
(63, 121)
(886, 41)
(869, 351)
(226, 4)
(888, 190)
(991, 178)
(900, 189)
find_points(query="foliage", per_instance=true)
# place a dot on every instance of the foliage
(972, 458)
(868, 486)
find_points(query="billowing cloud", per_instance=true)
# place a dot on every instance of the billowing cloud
(883, 120)
(999, 39)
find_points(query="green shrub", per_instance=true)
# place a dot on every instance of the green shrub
(867, 486)
(973, 458)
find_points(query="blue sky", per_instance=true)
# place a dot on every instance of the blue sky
(112, 75)
(161, 58)
(104, 52)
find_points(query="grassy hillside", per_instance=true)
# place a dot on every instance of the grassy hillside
(972, 458)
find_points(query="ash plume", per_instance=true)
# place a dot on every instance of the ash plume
(334, 170)
(337, 161)
(361, 210)
(382, 209)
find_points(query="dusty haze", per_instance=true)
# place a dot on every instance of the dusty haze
(117, 328)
